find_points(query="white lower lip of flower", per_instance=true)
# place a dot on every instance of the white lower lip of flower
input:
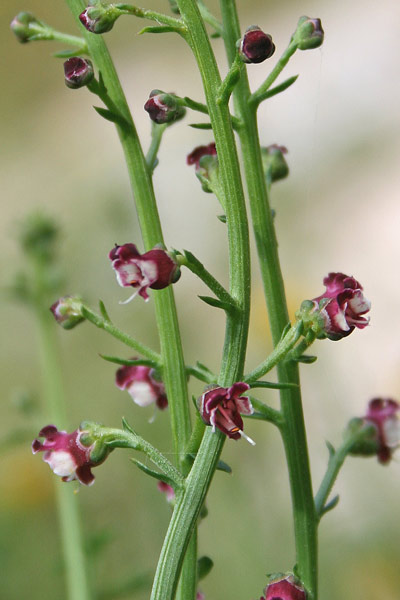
(62, 463)
(142, 393)
(391, 430)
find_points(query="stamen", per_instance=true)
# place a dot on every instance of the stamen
(129, 299)
(247, 438)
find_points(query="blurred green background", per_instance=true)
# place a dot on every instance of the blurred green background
(339, 210)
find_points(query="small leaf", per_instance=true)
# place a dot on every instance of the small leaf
(271, 385)
(127, 427)
(286, 329)
(129, 362)
(159, 29)
(155, 474)
(222, 218)
(223, 466)
(215, 35)
(217, 303)
(204, 566)
(204, 368)
(103, 311)
(109, 115)
(331, 449)
(68, 53)
(200, 125)
(281, 87)
(306, 359)
(331, 505)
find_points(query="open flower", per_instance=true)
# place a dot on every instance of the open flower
(339, 310)
(66, 454)
(221, 407)
(155, 269)
(284, 588)
(139, 382)
(383, 413)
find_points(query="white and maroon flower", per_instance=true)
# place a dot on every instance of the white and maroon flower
(167, 489)
(154, 269)
(383, 413)
(221, 407)
(67, 456)
(139, 382)
(284, 588)
(255, 46)
(340, 308)
(78, 72)
(164, 108)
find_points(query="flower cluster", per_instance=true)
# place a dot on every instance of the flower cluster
(221, 407)
(154, 269)
(70, 455)
(339, 310)
(140, 383)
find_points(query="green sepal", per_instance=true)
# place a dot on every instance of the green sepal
(103, 311)
(222, 218)
(307, 359)
(330, 505)
(204, 566)
(160, 29)
(155, 474)
(217, 303)
(272, 385)
(200, 125)
(129, 362)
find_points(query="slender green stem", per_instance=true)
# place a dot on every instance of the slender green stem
(152, 15)
(209, 18)
(293, 429)
(281, 349)
(231, 79)
(157, 132)
(260, 94)
(101, 323)
(45, 32)
(67, 501)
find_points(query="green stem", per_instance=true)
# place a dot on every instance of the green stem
(67, 501)
(293, 429)
(157, 132)
(152, 15)
(260, 94)
(189, 504)
(47, 33)
(209, 18)
(101, 323)
(231, 79)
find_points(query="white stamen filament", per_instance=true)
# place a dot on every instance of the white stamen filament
(129, 299)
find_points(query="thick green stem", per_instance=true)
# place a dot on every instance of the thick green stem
(67, 501)
(293, 429)
(189, 504)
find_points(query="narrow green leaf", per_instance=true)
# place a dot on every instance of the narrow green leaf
(159, 29)
(281, 87)
(330, 505)
(204, 566)
(127, 427)
(129, 362)
(222, 218)
(331, 449)
(155, 474)
(223, 466)
(204, 368)
(109, 115)
(271, 385)
(200, 125)
(306, 359)
(217, 303)
(103, 311)
(67, 53)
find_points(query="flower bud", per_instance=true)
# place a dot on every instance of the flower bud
(99, 18)
(338, 311)
(155, 269)
(255, 46)
(284, 587)
(67, 311)
(274, 163)
(206, 164)
(368, 444)
(78, 72)
(309, 33)
(164, 108)
(22, 24)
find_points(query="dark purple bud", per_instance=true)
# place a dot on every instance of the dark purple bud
(309, 33)
(274, 162)
(164, 108)
(284, 588)
(255, 46)
(67, 311)
(155, 269)
(78, 72)
(99, 18)
(139, 382)
(23, 26)
(338, 311)
(221, 407)
(68, 455)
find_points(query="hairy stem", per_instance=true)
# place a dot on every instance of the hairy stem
(293, 428)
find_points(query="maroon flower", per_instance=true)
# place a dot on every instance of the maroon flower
(256, 46)
(221, 407)
(383, 413)
(78, 72)
(140, 383)
(163, 108)
(340, 308)
(67, 311)
(67, 456)
(155, 269)
(166, 489)
(285, 588)
(194, 157)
